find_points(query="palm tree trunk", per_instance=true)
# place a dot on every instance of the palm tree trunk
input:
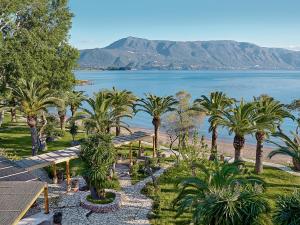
(238, 144)
(42, 136)
(94, 193)
(260, 136)
(13, 114)
(118, 129)
(296, 164)
(155, 140)
(32, 122)
(156, 124)
(62, 118)
(73, 110)
(2, 112)
(214, 137)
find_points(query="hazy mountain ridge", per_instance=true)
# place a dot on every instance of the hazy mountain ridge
(137, 53)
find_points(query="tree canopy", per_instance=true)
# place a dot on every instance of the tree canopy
(34, 42)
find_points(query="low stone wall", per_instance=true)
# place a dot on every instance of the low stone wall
(101, 208)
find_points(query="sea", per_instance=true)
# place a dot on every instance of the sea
(282, 85)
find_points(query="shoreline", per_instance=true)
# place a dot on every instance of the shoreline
(225, 147)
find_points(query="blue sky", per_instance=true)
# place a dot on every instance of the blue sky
(270, 23)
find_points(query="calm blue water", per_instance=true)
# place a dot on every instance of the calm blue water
(284, 86)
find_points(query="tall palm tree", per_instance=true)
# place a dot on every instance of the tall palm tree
(34, 97)
(212, 106)
(102, 115)
(289, 148)
(240, 121)
(122, 102)
(75, 100)
(155, 106)
(270, 113)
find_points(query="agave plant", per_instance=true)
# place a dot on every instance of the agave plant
(289, 148)
(231, 206)
(287, 210)
(221, 196)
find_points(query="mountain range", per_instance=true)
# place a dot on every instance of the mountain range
(138, 53)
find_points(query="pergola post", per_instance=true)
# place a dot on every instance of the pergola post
(68, 175)
(54, 174)
(140, 148)
(46, 199)
(130, 154)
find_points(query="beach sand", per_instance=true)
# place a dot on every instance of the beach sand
(225, 147)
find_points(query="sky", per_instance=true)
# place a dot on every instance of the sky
(269, 23)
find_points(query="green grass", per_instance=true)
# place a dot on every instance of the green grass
(110, 197)
(277, 183)
(15, 139)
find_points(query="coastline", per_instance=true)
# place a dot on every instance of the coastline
(225, 147)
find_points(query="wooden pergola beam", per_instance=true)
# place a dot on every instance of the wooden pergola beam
(46, 199)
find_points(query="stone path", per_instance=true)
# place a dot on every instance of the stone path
(134, 210)
(278, 166)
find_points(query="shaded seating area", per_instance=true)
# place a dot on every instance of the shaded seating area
(9, 171)
(65, 155)
(16, 198)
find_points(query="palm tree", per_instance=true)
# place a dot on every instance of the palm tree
(34, 97)
(270, 114)
(102, 115)
(75, 100)
(240, 121)
(156, 106)
(98, 156)
(212, 106)
(290, 148)
(122, 103)
(221, 195)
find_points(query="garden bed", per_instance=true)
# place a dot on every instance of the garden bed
(111, 204)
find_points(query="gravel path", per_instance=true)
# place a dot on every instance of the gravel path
(134, 210)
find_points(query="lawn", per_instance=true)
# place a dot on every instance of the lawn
(277, 182)
(15, 140)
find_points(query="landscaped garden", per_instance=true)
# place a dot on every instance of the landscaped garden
(189, 180)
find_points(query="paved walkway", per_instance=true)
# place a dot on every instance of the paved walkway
(134, 210)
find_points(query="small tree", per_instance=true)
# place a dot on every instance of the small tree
(98, 155)
(73, 129)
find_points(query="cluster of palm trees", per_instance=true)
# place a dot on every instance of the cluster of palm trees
(108, 108)
(261, 117)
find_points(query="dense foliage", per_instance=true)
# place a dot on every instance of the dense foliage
(98, 155)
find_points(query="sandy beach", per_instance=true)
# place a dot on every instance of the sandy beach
(225, 147)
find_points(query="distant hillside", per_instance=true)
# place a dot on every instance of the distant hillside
(137, 53)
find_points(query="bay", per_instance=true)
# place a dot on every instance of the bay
(282, 85)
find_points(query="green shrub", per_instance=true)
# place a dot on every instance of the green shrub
(109, 197)
(288, 209)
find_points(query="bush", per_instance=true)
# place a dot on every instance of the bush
(288, 209)
(109, 197)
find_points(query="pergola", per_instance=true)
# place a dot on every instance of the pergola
(11, 172)
(16, 197)
(55, 157)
